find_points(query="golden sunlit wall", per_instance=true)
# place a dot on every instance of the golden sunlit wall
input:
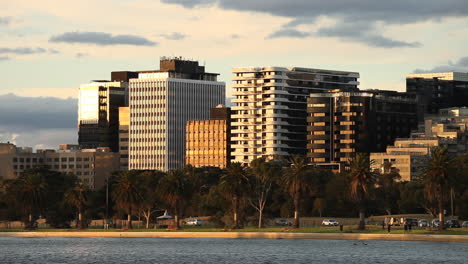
(207, 143)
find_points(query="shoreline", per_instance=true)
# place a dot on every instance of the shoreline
(247, 235)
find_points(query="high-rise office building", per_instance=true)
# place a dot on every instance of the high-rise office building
(161, 103)
(269, 115)
(438, 90)
(98, 113)
(124, 125)
(208, 141)
(340, 124)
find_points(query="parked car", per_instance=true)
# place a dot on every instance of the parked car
(453, 224)
(435, 223)
(283, 222)
(423, 223)
(194, 222)
(329, 222)
(465, 224)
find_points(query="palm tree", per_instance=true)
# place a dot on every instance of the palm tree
(362, 180)
(233, 184)
(77, 197)
(263, 175)
(176, 189)
(296, 182)
(125, 192)
(438, 180)
(31, 194)
(388, 186)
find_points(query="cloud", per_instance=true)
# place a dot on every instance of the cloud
(289, 33)
(460, 66)
(5, 21)
(174, 36)
(4, 58)
(102, 39)
(235, 36)
(22, 51)
(37, 112)
(364, 33)
(30, 121)
(344, 12)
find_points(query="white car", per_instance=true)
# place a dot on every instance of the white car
(330, 222)
(194, 222)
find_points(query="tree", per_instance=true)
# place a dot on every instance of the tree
(148, 186)
(296, 180)
(78, 198)
(31, 191)
(320, 204)
(125, 193)
(438, 180)
(388, 188)
(233, 184)
(263, 175)
(362, 180)
(176, 189)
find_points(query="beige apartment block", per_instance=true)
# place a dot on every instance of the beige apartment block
(91, 166)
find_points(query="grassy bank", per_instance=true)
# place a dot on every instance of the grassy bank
(347, 229)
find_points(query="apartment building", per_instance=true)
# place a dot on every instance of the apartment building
(438, 90)
(270, 108)
(91, 166)
(341, 124)
(208, 141)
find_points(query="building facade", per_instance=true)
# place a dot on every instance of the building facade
(208, 141)
(269, 112)
(91, 166)
(341, 124)
(161, 103)
(98, 113)
(124, 126)
(448, 129)
(438, 90)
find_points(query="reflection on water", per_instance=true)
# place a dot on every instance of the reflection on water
(177, 250)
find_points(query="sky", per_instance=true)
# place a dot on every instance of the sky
(49, 47)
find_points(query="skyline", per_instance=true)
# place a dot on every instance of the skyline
(49, 48)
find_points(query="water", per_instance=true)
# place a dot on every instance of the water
(258, 251)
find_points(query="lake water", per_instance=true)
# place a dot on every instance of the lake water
(258, 251)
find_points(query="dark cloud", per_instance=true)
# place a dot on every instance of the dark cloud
(22, 51)
(4, 58)
(289, 33)
(5, 20)
(37, 112)
(364, 33)
(174, 36)
(102, 39)
(189, 3)
(346, 12)
(459, 66)
(37, 121)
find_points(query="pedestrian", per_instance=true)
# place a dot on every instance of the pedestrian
(389, 227)
(410, 226)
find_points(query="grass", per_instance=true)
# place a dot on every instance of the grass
(347, 229)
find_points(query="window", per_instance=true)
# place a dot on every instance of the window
(64, 159)
(318, 133)
(318, 114)
(71, 159)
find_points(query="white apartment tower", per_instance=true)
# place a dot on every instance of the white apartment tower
(270, 108)
(161, 103)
